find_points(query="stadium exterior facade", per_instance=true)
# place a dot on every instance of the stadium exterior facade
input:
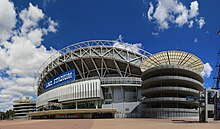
(97, 75)
(102, 78)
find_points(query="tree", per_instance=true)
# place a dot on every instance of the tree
(8, 115)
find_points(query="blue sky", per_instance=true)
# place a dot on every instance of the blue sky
(80, 20)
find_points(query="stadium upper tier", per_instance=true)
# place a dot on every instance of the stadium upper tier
(95, 58)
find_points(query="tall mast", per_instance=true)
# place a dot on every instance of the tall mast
(218, 72)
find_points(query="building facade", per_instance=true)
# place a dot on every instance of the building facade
(22, 107)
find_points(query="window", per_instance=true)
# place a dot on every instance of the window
(210, 114)
(108, 102)
(126, 109)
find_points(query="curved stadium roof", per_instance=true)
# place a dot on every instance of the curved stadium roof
(178, 58)
(94, 58)
(91, 43)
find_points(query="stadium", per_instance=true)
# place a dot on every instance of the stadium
(92, 75)
(108, 78)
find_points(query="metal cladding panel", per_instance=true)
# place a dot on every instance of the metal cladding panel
(78, 90)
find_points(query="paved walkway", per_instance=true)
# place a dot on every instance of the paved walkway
(108, 124)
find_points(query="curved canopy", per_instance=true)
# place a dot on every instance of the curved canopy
(178, 58)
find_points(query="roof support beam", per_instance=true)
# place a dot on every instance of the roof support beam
(118, 69)
(78, 69)
(83, 63)
(95, 66)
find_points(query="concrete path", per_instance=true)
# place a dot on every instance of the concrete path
(108, 124)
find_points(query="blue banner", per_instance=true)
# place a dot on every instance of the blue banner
(60, 79)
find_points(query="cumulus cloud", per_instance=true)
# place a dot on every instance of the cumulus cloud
(22, 52)
(207, 70)
(30, 18)
(173, 12)
(7, 19)
(194, 8)
(127, 46)
(52, 26)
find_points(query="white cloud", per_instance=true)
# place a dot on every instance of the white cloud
(155, 33)
(150, 12)
(207, 70)
(25, 57)
(194, 8)
(201, 22)
(173, 12)
(120, 38)
(130, 47)
(127, 46)
(52, 25)
(3, 59)
(191, 24)
(195, 40)
(30, 17)
(161, 15)
(182, 18)
(35, 36)
(5, 105)
(23, 54)
(6, 82)
(7, 19)
(25, 81)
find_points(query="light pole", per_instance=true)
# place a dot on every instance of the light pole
(218, 80)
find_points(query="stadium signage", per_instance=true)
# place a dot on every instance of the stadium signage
(60, 79)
